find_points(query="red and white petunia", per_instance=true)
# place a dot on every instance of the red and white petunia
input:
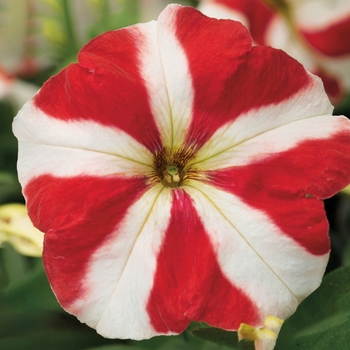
(177, 173)
(314, 32)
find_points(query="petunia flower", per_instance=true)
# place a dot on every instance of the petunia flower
(315, 32)
(177, 173)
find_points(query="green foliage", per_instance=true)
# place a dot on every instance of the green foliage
(322, 321)
(115, 347)
(10, 189)
(215, 335)
(111, 20)
(30, 315)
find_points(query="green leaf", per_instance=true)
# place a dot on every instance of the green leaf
(115, 347)
(175, 344)
(346, 254)
(181, 342)
(246, 345)
(216, 335)
(9, 186)
(31, 318)
(14, 263)
(322, 321)
(112, 18)
(31, 291)
(40, 329)
(153, 343)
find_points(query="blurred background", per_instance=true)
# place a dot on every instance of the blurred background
(37, 39)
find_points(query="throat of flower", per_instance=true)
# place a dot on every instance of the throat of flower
(172, 170)
(171, 176)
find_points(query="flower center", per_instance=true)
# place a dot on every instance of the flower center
(171, 176)
(172, 170)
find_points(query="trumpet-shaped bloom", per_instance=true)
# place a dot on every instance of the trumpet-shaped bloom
(177, 173)
(315, 32)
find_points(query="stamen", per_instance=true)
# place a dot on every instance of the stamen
(172, 170)
(171, 176)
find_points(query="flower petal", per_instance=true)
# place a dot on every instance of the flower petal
(270, 143)
(319, 13)
(105, 87)
(254, 14)
(189, 283)
(119, 274)
(286, 186)
(269, 75)
(331, 41)
(270, 129)
(242, 238)
(82, 229)
(164, 67)
(324, 24)
(324, 27)
(49, 145)
(194, 31)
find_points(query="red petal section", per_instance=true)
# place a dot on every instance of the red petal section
(237, 79)
(77, 215)
(257, 14)
(189, 284)
(105, 87)
(241, 6)
(281, 187)
(331, 41)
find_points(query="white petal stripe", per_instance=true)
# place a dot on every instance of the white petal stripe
(271, 142)
(40, 159)
(73, 148)
(316, 15)
(242, 238)
(281, 122)
(165, 69)
(121, 272)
